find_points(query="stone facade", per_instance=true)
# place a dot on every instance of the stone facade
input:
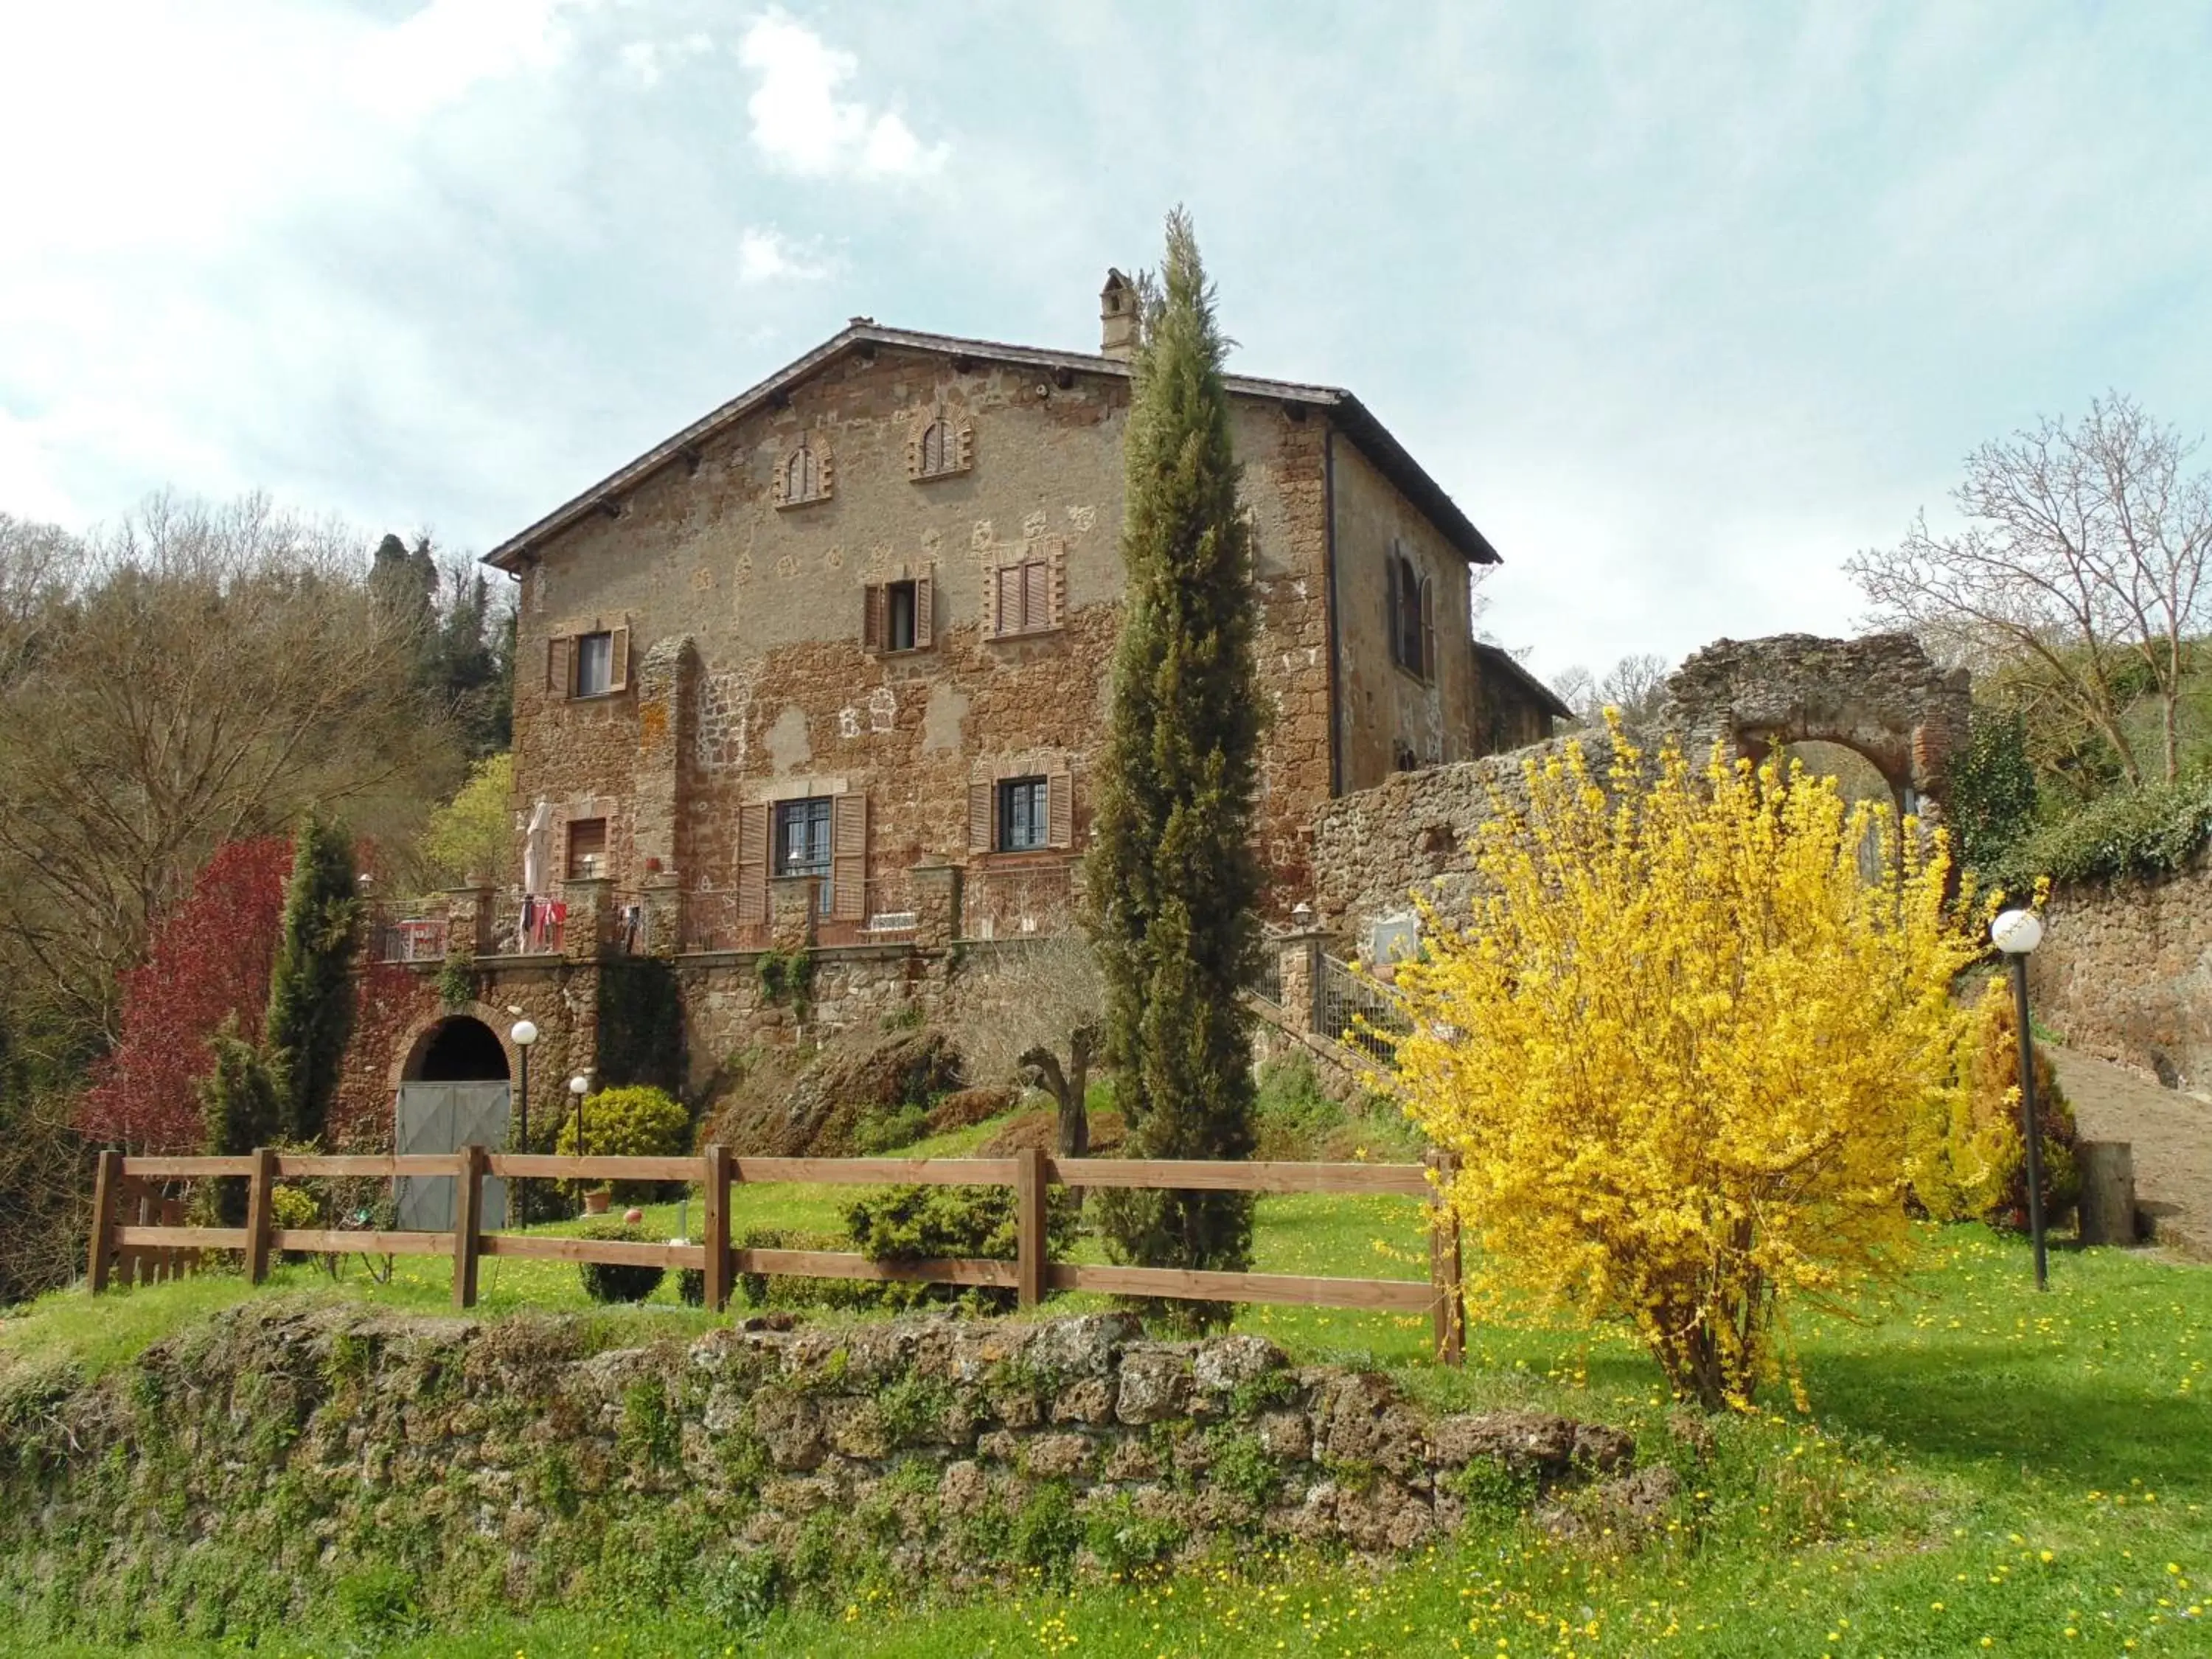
(2124, 972)
(750, 663)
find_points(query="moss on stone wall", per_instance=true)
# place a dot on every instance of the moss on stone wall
(320, 1468)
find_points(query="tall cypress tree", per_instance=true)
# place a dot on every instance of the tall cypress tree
(1171, 875)
(310, 990)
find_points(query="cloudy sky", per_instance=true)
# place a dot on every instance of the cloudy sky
(1683, 303)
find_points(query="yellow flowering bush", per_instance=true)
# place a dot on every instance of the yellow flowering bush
(1687, 1054)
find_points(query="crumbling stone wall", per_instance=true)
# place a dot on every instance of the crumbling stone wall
(1880, 695)
(2124, 972)
(244, 1467)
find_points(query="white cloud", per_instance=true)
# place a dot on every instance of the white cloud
(650, 60)
(765, 254)
(801, 125)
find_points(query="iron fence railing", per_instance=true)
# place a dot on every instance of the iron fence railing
(1351, 1009)
(406, 933)
(1018, 900)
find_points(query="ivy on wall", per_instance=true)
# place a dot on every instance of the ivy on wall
(641, 1024)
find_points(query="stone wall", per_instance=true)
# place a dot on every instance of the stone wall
(1373, 850)
(234, 1476)
(2124, 972)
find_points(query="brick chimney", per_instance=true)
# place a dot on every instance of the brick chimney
(1117, 317)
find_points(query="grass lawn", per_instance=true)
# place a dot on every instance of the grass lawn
(1983, 1470)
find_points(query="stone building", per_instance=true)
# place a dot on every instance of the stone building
(828, 668)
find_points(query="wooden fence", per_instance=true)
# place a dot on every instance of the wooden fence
(125, 1233)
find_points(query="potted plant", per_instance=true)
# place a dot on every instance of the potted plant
(595, 1199)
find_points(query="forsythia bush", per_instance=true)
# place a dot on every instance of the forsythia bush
(1978, 1169)
(1686, 1052)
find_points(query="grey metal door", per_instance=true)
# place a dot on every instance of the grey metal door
(444, 1117)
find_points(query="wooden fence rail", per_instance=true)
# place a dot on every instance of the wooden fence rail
(134, 1225)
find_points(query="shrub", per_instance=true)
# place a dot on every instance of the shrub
(1685, 1051)
(2144, 833)
(605, 1281)
(781, 1290)
(744, 1590)
(1978, 1172)
(629, 1123)
(292, 1206)
(918, 1224)
(888, 1131)
(1291, 1115)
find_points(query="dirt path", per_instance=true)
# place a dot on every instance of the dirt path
(2171, 1134)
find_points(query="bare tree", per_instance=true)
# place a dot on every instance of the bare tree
(196, 674)
(1032, 1015)
(2083, 563)
(1634, 685)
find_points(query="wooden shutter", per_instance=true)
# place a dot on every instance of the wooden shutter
(618, 660)
(1036, 595)
(871, 618)
(924, 611)
(848, 858)
(752, 863)
(1007, 608)
(1395, 621)
(1428, 628)
(980, 802)
(1059, 808)
(559, 673)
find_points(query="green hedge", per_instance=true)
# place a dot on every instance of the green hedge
(2144, 832)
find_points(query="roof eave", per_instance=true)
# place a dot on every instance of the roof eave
(1389, 456)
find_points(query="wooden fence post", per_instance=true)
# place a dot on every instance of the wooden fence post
(261, 1186)
(468, 1223)
(1029, 1225)
(1450, 1315)
(716, 1202)
(105, 1185)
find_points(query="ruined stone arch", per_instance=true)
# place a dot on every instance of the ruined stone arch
(1881, 697)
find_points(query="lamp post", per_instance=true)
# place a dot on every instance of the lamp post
(524, 1033)
(2016, 932)
(578, 1085)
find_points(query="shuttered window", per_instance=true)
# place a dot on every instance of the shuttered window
(594, 665)
(896, 616)
(1026, 596)
(1023, 814)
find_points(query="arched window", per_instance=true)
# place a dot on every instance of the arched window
(1413, 618)
(940, 446)
(803, 475)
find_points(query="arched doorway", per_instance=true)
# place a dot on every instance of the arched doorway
(452, 1092)
(459, 1048)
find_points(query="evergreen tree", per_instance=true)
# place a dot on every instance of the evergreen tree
(310, 990)
(404, 585)
(240, 1107)
(1171, 875)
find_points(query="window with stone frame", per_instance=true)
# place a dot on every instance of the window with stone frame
(804, 473)
(588, 849)
(1022, 810)
(899, 615)
(1027, 595)
(942, 446)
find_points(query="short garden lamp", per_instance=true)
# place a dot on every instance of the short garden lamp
(2016, 932)
(523, 1032)
(580, 1085)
